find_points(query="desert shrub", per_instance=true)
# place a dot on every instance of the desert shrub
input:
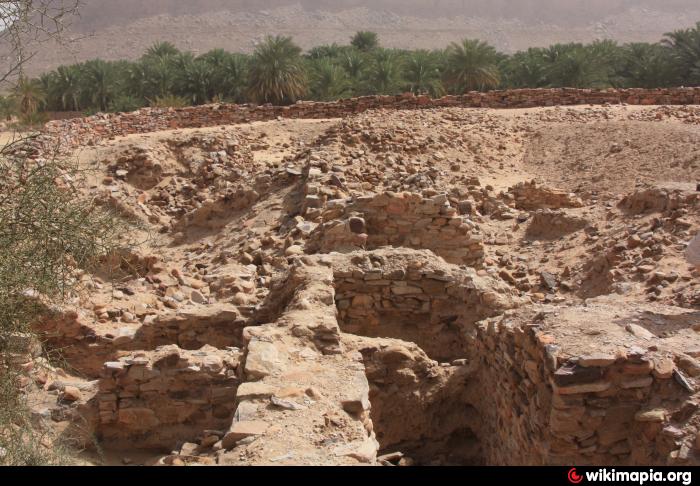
(49, 233)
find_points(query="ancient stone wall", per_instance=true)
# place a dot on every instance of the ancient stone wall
(531, 196)
(219, 326)
(476, 389)
(598, 409)
(412, 304)
(399, 220)
(154, 400)
(82, 131)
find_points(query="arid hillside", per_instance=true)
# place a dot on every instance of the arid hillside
(124, 29)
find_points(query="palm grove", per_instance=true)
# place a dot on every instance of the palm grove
(279, 72)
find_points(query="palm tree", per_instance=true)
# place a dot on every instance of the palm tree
(354, 63)
(422, 73)
(328, 81)
(685, 49)
(234, 76)
(28, 95)
(182, 60)
(215, 58)
(365, 41)
(471, 65)
(576, 66)
(383, 76)
(99, 83)
(135, 79)
(333, 51)
(197, 82)
(180, 64)
(648, 66)
(125, 103)
(525, 69)
(277, 73)
(607, 56)
(67, 81)
(161, 50)
(7, 107)
(229, 73)
(159, 77)
(52, 99)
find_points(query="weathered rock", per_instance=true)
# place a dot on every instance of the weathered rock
(294, 250)
(639, 331)
(690, 365)
(262, 359)
(596, 360)
(71, 394)
(254, 390)
(657, 415)
(243, 430)
(357, 400)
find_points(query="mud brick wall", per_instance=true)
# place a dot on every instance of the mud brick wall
(149, 400)
(401, 220)
(601, 409)
(83, 131)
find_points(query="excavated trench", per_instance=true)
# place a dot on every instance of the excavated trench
(422, 385)
(412, 320)
(422, 409)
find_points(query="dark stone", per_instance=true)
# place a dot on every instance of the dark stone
(397, 275)
(464, 207)
(169, 360)
(573, 374)
(683, 381)
(335, 181)
(548, 280)
(357, 225)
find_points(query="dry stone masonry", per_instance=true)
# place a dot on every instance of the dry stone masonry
(157, 399)
(625, 406)
(416, 283)
(400, 220)
(77, 132)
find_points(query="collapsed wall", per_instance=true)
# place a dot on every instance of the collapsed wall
(386, 347)
(86, 351)
(547, 402)
(77, 132)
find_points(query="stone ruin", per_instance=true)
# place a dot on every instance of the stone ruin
(399, 220)
(377, 331)
(391, 350)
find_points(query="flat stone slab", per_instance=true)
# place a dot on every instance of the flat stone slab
(242, 430)
(253, 389)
